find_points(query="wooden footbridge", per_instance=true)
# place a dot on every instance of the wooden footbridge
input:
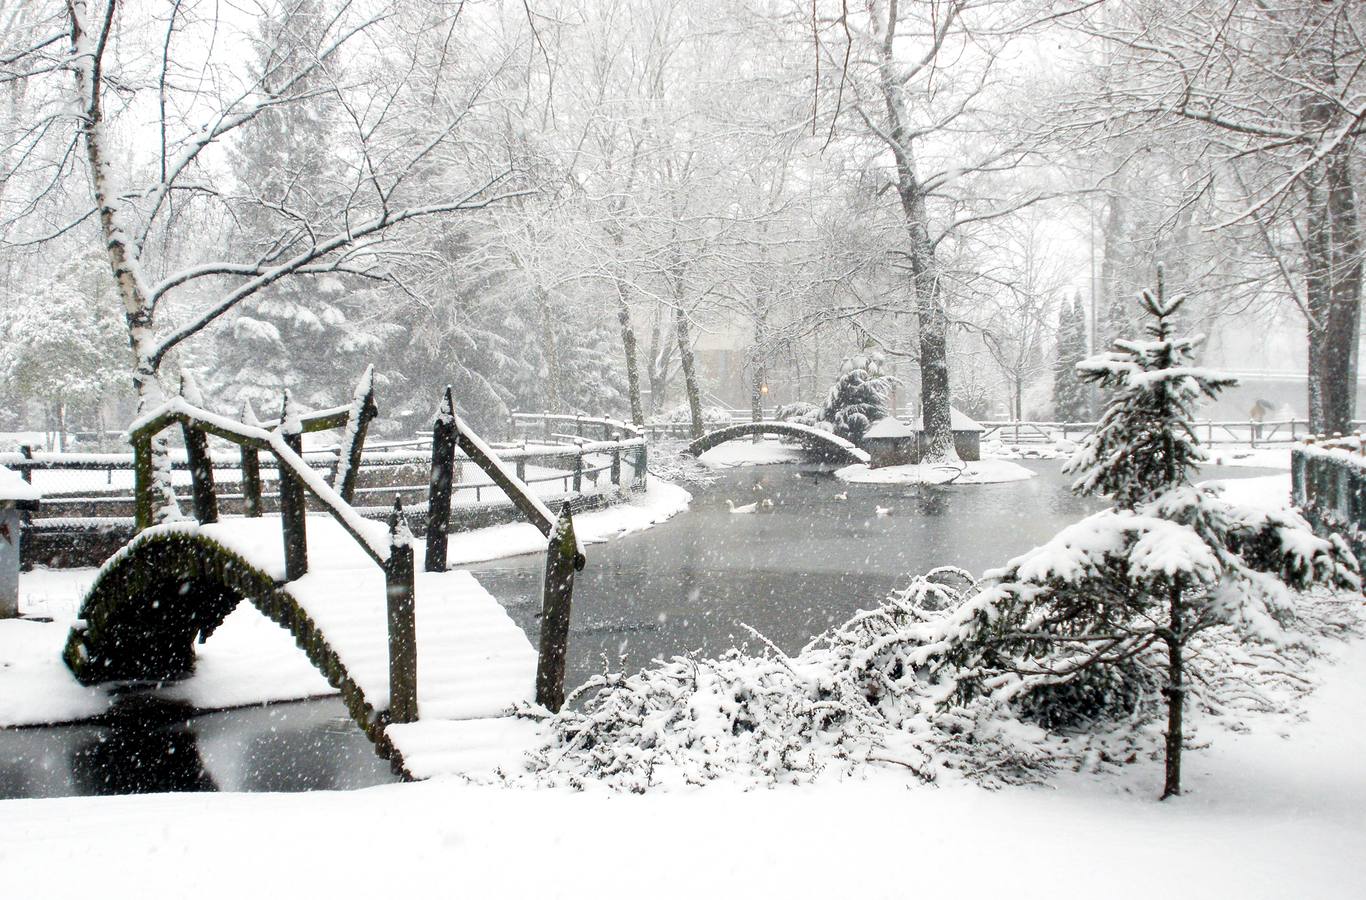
(428, 663)
(815, 439)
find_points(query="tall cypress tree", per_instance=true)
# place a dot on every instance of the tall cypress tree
(1071, 398)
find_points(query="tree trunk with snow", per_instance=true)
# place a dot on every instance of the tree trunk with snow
(685, 355)
(931, 316)
(628, 345)
(1333, 280)
(1175, 691)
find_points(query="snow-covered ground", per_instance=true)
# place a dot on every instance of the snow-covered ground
(249, 659)
(1273, 457)
(1277, 813)
(986, 471)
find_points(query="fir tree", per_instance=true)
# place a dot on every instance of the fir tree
(859, 396)
(1071, 398)
(1144, 444)
(1110, 614)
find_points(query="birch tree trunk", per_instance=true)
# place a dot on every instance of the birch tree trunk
(88, 41)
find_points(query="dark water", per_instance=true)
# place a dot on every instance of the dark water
(789, 571)
(148, 746)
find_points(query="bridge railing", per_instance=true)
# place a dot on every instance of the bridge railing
(92, 487)
(1328, 485)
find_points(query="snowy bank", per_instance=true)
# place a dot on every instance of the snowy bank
(986, 471)
(1264, 824)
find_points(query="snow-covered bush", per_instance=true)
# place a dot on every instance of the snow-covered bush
(846, 699)
(859, 397)
(713, 417)
(801, 413)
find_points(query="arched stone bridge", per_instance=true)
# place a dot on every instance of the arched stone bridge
(815, 439)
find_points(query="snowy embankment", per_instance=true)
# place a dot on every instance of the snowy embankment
(249, 659)
(986, 471)
(1277, 814)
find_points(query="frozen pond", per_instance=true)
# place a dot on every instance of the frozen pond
(789, 571)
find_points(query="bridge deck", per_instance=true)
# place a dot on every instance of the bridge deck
(474, 662)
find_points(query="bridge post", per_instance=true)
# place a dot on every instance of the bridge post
(439, 491)
(616, 460)
(561, 561)
(143, 502)
(401, 606)
(197, 455)
(293, 502)
(363, 409)
(578, 472)
(640, 465)
(251, 482)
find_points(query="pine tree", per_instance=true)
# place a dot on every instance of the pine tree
(1144, 444)
(1109, 614)
(859, 396)
(1071, 398)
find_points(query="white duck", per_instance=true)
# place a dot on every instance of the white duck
(882, 512)
(765, 503)
(740, 510)
(842, 495)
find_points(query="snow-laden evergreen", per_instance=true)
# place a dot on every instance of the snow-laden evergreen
(860, 396)
(1144, 443)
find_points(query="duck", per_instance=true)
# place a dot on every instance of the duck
(766, 503)
(842, 495)
(740, 510)
(882, 512)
